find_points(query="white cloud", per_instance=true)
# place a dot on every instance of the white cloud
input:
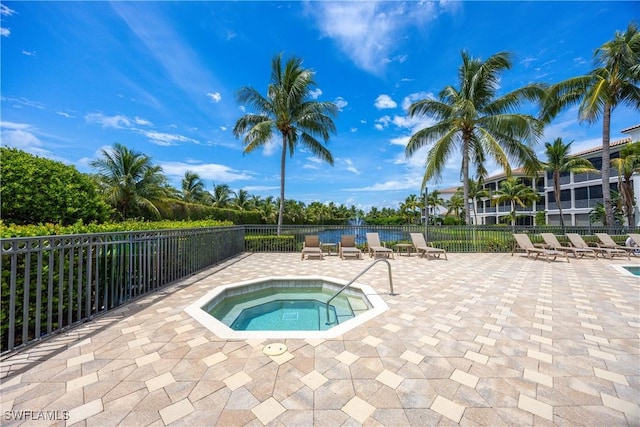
(63, 114)
(208, 171)
(417, 96)
(164, 139)
(315, 94)
(5, 11)
(28, 53)
(391, 185)
(353, 129)
(382, 122)
(340, 103)
(5, 32)
(350, 166)
(223, 128)
(368, 31)
(117, 122)
(215, 96)
(142, 122)
(384, 101)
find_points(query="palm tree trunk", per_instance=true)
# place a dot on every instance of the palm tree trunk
(465, 177)
(556, 190)
(282, 169)
(606, 159)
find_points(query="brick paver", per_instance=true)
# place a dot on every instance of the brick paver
(481, 339)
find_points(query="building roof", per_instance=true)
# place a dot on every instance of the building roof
(630, 128)
(596, 149)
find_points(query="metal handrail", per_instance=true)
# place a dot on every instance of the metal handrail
(356, 278)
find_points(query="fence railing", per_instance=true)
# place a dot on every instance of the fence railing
(54, 282)
(264, 238)
(50, 283)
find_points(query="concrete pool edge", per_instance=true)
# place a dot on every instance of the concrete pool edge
(621, 269)
(195, 310)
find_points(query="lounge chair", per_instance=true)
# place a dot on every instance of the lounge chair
(376, 248)
(347, 247)
(607, 242)
(524, 243)
(311, 247)
(578, 242)
(424, 249)
(551, 242)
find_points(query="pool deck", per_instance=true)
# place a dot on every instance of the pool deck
(481, 339)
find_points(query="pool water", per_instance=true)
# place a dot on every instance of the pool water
(285, 315)
(633, 270)
(286, 309)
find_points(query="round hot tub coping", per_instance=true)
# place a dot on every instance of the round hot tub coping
(196, 311)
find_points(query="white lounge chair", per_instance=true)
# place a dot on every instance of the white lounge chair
(607, 241)
(347, 247)
(311, 247)
(376, 248)
(424, 249)
(578, 242)
(551, 242)
(524, 243)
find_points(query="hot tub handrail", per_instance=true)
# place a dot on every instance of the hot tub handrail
(356, 278)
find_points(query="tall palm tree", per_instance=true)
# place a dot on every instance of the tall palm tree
(472, 117)
(289, 110)
(221, 195)
(476, 191)
(615, 81)
(627, 164)
(558, 162)
(513, 191)
(192, 187)
(130, 181)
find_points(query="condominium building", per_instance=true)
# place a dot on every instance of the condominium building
(579, 192)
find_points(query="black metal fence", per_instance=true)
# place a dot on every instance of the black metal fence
(264, 238)
(50, 283)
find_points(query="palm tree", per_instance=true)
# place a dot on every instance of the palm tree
(267, 210)
(513, 191)
(456, 204)
(289, 110)
(242, 200)
(627, 165)
(598, 213)
(613, 82)
(558, 162)
(476, 191)
(410, 205)
(221, 195)
(434, 199)
(192, 187)
(471, 117)
(130, 181)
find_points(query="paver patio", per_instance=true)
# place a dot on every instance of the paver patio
(481, 339)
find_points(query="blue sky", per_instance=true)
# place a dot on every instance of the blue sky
(162, 77)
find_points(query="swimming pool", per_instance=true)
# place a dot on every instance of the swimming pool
(286, 307)
(300, 306)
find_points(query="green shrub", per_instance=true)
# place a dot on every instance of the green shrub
(48, 229)
(37, 190)
(283, 243)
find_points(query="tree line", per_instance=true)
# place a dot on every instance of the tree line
(469, 116)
